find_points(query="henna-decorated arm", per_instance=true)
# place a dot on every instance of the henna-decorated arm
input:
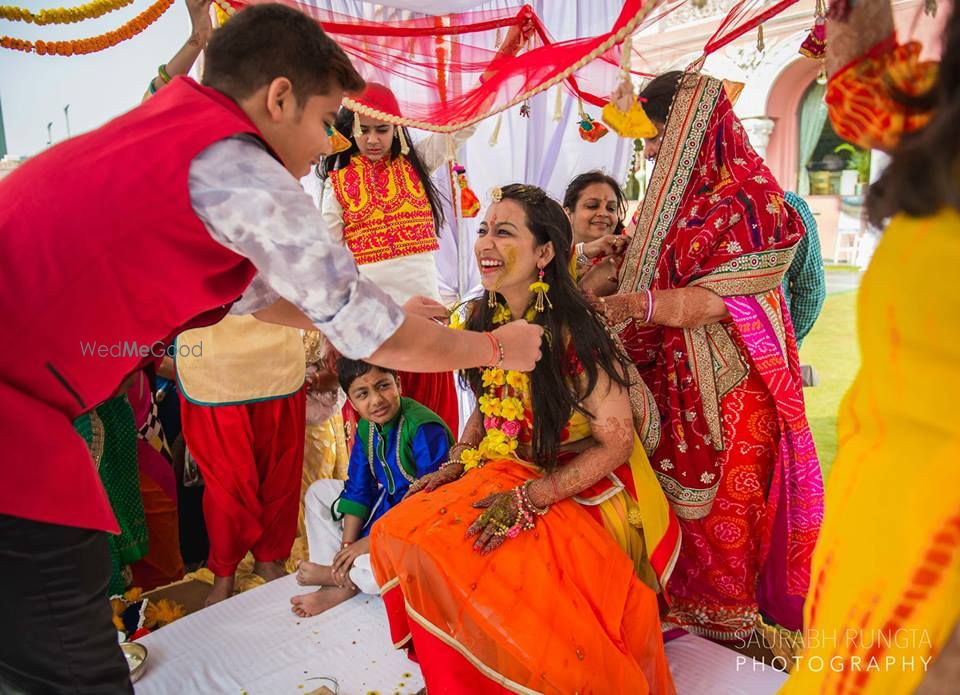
(686, 307)
(471, 436)
(612, 428)
(448, 472)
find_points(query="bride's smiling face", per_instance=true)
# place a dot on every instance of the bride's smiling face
(507, 252)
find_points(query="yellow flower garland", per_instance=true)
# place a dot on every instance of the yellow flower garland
(62, 15)
(503, 414)
(93, 44)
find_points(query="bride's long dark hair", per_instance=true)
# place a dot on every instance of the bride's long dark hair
(571, 323)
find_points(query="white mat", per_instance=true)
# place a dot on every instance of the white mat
(252, 644)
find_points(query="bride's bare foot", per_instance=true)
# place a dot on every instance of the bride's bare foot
(222, 589)
(320, 600)
(269, 570)
(314, 574)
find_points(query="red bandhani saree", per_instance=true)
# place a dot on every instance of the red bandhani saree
(735, 458)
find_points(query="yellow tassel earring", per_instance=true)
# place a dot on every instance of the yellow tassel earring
(540, 288)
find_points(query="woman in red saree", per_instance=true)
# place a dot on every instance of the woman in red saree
(700, 311)
(569, 536)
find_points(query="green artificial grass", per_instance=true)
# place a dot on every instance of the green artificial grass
(831, 347)
(842, 268)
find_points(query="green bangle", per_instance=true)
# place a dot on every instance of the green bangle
(164, 75)
(152, 88)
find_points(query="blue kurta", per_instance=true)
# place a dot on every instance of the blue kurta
(376, 478)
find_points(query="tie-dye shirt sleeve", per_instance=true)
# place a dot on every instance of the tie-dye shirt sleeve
(253, 206)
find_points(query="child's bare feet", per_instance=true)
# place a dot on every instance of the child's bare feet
(314, 574)
(222, 589)
(308, 605)
(269, 570)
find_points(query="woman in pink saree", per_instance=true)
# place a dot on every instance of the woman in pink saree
(700, 310)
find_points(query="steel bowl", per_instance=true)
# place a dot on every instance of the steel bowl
(136, 655)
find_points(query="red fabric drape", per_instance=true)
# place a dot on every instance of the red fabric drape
(447, 72)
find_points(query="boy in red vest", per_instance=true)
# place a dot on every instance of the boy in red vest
(205, 180)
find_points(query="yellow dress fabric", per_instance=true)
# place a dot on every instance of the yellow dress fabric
(885, 589)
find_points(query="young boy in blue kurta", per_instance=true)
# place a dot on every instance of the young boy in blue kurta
(397, 441)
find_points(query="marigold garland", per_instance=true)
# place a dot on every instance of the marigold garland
(93, 44)
(62, 15)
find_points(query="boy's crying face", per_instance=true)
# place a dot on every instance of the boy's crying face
(375, 396)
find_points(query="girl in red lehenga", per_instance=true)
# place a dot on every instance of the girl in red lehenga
(701, 312)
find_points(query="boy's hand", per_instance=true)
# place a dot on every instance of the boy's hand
(343, 560)
(427, 308)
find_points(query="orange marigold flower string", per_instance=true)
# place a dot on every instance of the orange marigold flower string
(95, 43)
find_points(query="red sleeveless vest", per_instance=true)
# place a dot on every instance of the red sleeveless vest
(103, 256)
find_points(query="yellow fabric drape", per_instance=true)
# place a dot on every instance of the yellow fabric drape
(886, 572)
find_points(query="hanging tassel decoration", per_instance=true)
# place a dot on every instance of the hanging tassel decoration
(634, 122)
(469, 202)
(357, 133)
(760, 44)
(815, 45)
(495, 135)
(404, 146)
(558, 105)
(525, 109)
(540, 289)
(930, 7)
(590, 130)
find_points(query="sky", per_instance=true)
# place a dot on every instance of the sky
(34, 88)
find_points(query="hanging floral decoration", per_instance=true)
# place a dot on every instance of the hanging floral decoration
(815, 45)
(469, 202)
(92, 44)
(62, 15)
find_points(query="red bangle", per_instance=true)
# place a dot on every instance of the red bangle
(497, 360)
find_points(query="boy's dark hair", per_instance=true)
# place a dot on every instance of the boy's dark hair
(264, 42)
(349, 371)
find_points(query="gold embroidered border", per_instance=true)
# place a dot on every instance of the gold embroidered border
(752, 273)
(692, 106)
(728, 363)
(98, 439)
(776, 320)
(687, 503)
(616, 487)
(497, 678)
(701, 364)
(389, 585)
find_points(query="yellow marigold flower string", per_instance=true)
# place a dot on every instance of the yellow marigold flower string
(62, 15)
(92, 44)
